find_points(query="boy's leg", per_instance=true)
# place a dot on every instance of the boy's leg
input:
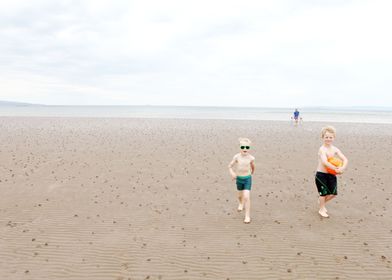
(246, 200)
(325, 202)
(329, 197)
(323, 210)
(240, 201)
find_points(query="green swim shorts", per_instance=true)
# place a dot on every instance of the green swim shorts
(244, 182)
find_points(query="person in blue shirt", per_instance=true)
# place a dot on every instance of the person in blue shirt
(296, 118)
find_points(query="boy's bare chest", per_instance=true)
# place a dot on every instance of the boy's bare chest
(244, 160)
(330, 152)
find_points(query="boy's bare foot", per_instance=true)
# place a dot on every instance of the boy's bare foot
(323, 213)
(247, 220)
(325, 209)
(240, 207)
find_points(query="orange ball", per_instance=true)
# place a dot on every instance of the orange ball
(336, 162)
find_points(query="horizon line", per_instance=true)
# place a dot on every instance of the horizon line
(18, 103)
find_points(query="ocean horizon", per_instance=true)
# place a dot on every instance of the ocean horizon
(309, 114)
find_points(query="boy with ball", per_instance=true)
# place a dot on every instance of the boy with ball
(331, 162)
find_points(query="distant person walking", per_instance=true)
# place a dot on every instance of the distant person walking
(296, 118)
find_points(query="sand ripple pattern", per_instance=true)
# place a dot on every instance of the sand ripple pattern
(152, 199)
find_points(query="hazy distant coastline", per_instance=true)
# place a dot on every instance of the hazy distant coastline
(12, 103)
(307, 108)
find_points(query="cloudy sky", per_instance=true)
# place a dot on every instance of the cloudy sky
(268, 53)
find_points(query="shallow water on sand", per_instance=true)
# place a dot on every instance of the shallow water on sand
(355, 115)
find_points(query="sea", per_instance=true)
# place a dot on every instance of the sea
(309, 114)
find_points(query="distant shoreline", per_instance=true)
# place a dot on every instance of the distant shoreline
(306, 108)
(309, 114)
(203, 113)
(164, 119)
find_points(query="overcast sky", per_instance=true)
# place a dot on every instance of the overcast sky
(218, 53)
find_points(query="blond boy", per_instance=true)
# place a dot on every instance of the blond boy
(327, 183)
(244, 168)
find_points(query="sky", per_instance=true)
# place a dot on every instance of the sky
(261, 53)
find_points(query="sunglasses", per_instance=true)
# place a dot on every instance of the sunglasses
(245, 147)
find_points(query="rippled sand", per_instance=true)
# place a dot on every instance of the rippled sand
(153, 199)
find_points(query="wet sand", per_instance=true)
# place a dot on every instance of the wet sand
(153, 199)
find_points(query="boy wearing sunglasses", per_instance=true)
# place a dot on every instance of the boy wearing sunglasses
(244, 168)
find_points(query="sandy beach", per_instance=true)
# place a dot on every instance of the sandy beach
(90, 198)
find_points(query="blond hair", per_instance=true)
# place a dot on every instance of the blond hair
(329, 129)
(244, 141)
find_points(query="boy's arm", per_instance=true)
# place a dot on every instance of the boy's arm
(324, 159)
(231, 164)
(252, 166)
(344, 159)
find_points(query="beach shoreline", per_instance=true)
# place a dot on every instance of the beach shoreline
(322, 114)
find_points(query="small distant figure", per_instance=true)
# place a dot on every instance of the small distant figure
(331, 162)
(245, 166)
(296, 119)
